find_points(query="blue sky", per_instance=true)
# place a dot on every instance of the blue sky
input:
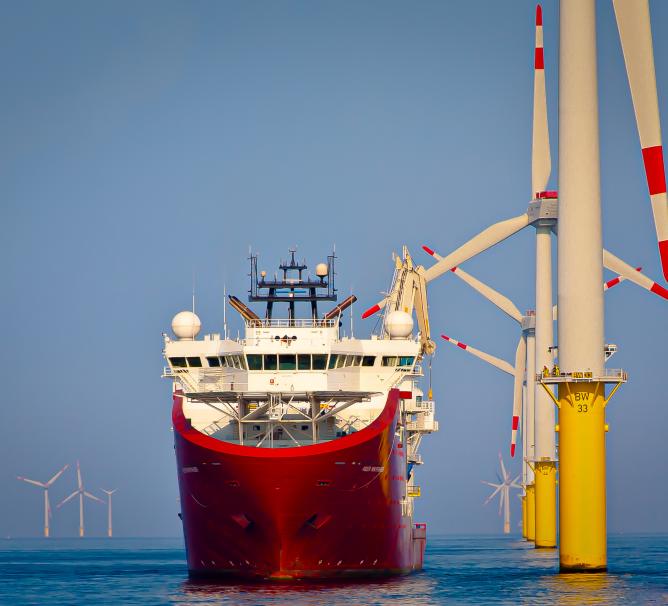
(145, 142)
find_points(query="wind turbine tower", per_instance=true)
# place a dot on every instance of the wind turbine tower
(503, 490)
(81, 492)
(582, 397)
(45, 486)
(109, 526)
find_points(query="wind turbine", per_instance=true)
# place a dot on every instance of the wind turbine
(503, 490)
(82, 493)
(542, 213)
(582, 428)
(109, 493)
(45, 486)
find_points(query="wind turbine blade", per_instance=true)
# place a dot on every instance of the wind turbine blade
(79, 476)
(501, 502)
(503, 469)
(54, 478)
(635, 33)
(92, 496)
(541, 162)
(520, 362)
(491, 484)
(375, 309)
(501, 301)
(490, 359)
(484, 240)
(610, 283)
(633, 275)
(35, 482)
(74, 494)
(490, 497)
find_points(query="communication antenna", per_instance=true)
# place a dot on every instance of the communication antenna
(193, 290)
(352, 334)
(224, 310)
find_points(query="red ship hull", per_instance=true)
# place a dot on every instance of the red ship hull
(320, 511)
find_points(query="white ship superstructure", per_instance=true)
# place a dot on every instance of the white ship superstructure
(292, 382)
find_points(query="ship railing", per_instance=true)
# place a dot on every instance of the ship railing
(292, 323)
(196, 380)
(204, 379)
(607, 375)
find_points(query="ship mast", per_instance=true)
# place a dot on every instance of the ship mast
(293, 285)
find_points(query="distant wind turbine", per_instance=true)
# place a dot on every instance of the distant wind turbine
(82, 493)
(503, 490)
(109, 493)
(45, 486)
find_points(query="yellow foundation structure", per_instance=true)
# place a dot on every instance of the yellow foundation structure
(524, 516)
(582, 524)
(545, 477)
(531, 512)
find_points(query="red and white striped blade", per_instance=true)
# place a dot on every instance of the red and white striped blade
(375, 309)
(541, 161)
(615, 264)
(490, 359)
(485, 239)
(635, 33)
(520, 363)
(610, 283)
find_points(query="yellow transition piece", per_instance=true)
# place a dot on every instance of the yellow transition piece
(545, 473)
(582, 526)
(531, 512)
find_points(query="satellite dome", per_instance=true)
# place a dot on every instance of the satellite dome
(398, 325)
(321, 270)
(186, 325)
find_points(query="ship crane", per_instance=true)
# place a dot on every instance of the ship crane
(408, 293)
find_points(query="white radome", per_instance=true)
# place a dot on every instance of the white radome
(398, 325)
(321, 270)
(186, 325)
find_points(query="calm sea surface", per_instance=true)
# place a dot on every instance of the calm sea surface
(459, 570)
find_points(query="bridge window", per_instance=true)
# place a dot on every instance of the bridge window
(332, 360)
(341, 361)
(390, 360)
(195, 362)
(357, 360)
(270, 361)
(242, 362)
(178, 362)
(368, 360)
(304, 362)
(406, 360)
(254, 362)
(213, 360)
(287, 362)
(319, 361)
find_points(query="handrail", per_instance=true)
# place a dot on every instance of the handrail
(292, 323)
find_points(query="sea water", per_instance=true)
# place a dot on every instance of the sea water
(458, 570)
